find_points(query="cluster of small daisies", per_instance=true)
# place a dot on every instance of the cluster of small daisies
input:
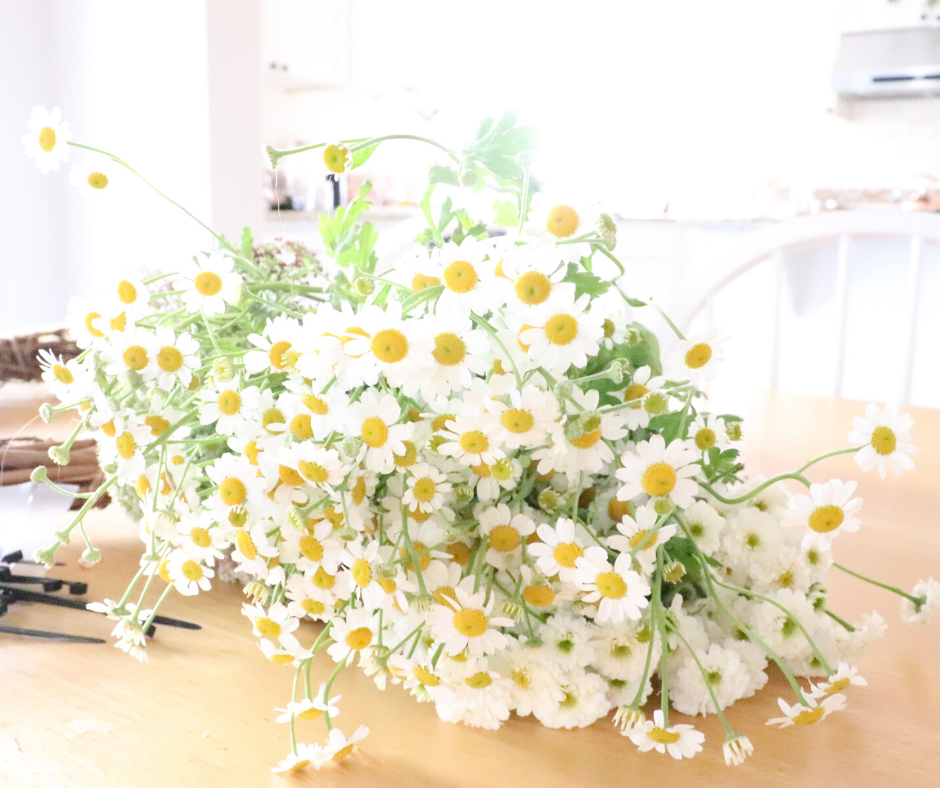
(474, 481)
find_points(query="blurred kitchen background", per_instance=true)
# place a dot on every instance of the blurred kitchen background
(695, 124)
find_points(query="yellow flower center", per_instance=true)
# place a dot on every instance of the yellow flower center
(883, 440)
(474, 442)
(562, 221)
(449, 349)
(610, 585)
(419, 282)
(310, 548)
(479, 680)
(109, 429)
(359, 638)
(233, 492)
(289, 476)
(336, 158)
(809, 716)
(421, 551)
(126, 445)
(47, 138)
(361, 572)
(504, 538)
(126, 292)
(561, 329)
(539, 596)
(276, 353)
(424, 489)
(191, 570)
(517, 421)
(135, 357)
(566, 553)
(533, 288)
(98, 180)
(459, 552)
(286, 659)
(229, 402)
(301, 426)
(470, 623)
(659, 479)
(617, 509)
(323, 580)
(374, 433)
(169, 359)
(359, 491)
(271, 416)
(425, 676)
(316, 404)
(91, 316)
(502, 470)
(119, 323)
(62, 374)
(208, 283)
(698, 355)
(389, 345)
(635, 391)
(826, 518)
(837, 686)
(268, 628)
(389, 586)
(587, 440)
(200, 537)
(662, 736)
(609, 327)
(440, 422)
(705, 438)
(638, 538)
(163, 569)
(314, 608)
(313, 472)
(460, 277)
(482, 470)
(407, 459)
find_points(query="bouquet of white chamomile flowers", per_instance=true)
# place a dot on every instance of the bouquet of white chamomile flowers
(467, 471)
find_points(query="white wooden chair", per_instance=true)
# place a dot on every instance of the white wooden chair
(845, 227)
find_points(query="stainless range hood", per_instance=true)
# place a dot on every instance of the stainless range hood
(888, 63)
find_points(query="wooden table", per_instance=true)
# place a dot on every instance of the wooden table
(201, 712)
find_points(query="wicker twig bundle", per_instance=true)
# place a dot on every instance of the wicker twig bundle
(20, 456)
(19, 355)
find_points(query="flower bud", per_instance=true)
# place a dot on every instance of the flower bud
(733, 429)
(525, 158)
(607, 228)
(673, 572)
(421, 603)
(629, 718)
(46, 412)
(364, 286)
(511, 610)
(222, 370)
(59, 455)
(46, 556)
(62, 537)
(663, 506)
(39, 474)
(92, 555)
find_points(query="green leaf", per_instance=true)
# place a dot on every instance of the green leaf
(507, 214)
(248, 244)
(362, 155)
(635, 301)
(442, 174)
(585, 283)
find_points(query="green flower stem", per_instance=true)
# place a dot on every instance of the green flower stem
(524, 198)
(289, 286)
(409, 547)
(276, 155)
(848, 627)
(917, 600)
(658, 618)
(130, 587)
(757, 490)
(376, 140)
(389, 282)
(309, 664)
(205, 320)
(685, 414)
(124, 164)
(326, 692)
(409, 636)
(420, 297)
(150, 577)
(602, 248)
(708, 685)
(293, 698)
(657, 526)
(156, 607)
(484, 324)
(269, 304)
(88, 505)
(646, 668)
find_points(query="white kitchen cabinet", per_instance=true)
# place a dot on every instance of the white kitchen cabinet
(884, 15)
(305, 43)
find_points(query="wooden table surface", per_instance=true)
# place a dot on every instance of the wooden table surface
(201, 711)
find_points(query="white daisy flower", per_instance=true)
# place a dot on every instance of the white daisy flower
(254, 551)
(844, 676)
(93, 176)
(308, 599)
(826, 511)
(584, 702)
(927, 590)
(275, 623)
(696, 359)
(645, 398)
(885, 440)
(340, 747)
(400, 349)
(505, 533)
(707, 432)
(48, 139)
(467, 277)
(125, 445)
(310, 708)
(809, 714)
(568, 640)
(274, 347)
(704, 525)
(659, 470)
(288, 653)
(466, 624)
(560, 547)
(427, 487)
(187, 574)
(374, 419)
(620, 591)
(203, 540)
(458, 353)
(228, 406)
(132, 350)
(736, 749)
(329, 412)
(62, 377)
(471, 441)
(563, 335)
(81, 321)
(210, 283)
(352, 635)
(535, 276)
(680, 741)
(238, 481)
(176, 358)
(525, 420)
(306, 755)
(318, 466)
(638, 537)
